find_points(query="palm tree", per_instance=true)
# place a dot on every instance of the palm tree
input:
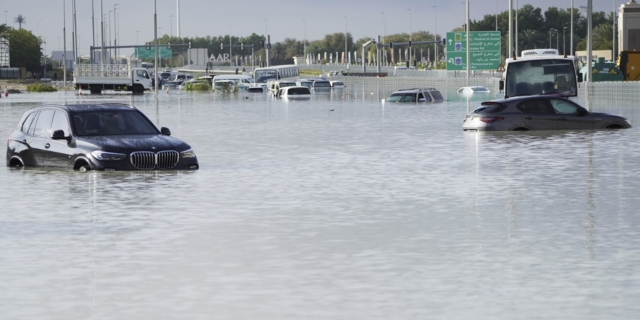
(4, 28)
(20, 19)
(529, 39)
(602, 36)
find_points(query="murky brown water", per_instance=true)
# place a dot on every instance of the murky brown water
(340, 207)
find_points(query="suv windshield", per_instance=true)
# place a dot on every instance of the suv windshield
(111, 122)
(540, 77)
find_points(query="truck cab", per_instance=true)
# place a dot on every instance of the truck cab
(141, 76)
(540, 71)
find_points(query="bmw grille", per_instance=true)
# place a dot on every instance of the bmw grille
(150, 160)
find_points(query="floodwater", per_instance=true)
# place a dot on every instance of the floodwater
(339, 207)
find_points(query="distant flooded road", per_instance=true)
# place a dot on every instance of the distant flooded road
(338, 207)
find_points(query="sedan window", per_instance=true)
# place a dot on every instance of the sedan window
(564, 107)
(535, 107)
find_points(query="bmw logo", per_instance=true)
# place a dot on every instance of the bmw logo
(153, 148)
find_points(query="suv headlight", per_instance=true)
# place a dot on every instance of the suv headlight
(106, 156)
(187, 154)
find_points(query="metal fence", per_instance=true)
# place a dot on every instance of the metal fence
(9, 73)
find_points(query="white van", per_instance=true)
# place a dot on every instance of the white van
(239, 80)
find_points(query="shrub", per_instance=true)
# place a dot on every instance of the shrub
(197, 86)
(40, 87)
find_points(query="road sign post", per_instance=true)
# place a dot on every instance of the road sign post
(484, 50)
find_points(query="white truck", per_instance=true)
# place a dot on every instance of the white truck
(117, 77)
(540, 71)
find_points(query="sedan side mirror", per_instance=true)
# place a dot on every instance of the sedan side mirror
(580, 79)
(582, 112)
(501, 85)
(165, 131)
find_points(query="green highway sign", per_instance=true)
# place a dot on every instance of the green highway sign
(143, 53)
(484, 49)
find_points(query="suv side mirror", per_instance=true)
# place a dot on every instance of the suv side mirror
(165, 131)
(580, 77)
(501, 85)
(59, 135)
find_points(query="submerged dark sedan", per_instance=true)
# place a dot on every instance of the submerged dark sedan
(538, 113)
(95, 137)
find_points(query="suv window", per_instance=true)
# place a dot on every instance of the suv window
(43, 124)
(564, 107)
(60, 122)
(27, 122)
(437, 96)
(535, 107)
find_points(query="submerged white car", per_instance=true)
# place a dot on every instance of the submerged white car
(473, 90)
(294, 92)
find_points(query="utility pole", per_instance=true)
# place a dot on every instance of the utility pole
(435, 38)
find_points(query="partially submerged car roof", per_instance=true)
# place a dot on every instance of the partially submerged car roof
(88, 107)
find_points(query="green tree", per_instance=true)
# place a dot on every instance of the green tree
(530, 39)
(4, 28)
(24, 49)
(602, 38)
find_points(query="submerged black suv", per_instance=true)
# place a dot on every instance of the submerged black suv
(95, 137)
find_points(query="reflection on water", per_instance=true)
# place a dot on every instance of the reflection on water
(338, 207)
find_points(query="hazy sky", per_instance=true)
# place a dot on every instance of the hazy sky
(282, 19)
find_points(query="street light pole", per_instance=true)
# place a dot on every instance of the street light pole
(110, 35)
(613, 27)
(45, 60)
(171, 25)
(410, 37)
(550, 32)
(344, 57)
(435, 38)
(230, 49)
(558, 39)
(384, 33)
(304, 44)
(563, 41)
(115, 31)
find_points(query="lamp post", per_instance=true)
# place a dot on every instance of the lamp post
(563, 40)
(45, 60)
(115, 31)
(137, 31)
(435, 38)
(613, 37)
(558, 39)
(384, 33)
(304, 44)
(550, 32)
(496, 15)
(110, 34)
(410, 36)
(6, 21)
(344, 58)
(171, 25)
(230, 49)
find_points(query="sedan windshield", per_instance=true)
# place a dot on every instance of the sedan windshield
(111, 122)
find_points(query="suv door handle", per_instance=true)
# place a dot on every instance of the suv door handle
(46, 146)
(528, 117)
